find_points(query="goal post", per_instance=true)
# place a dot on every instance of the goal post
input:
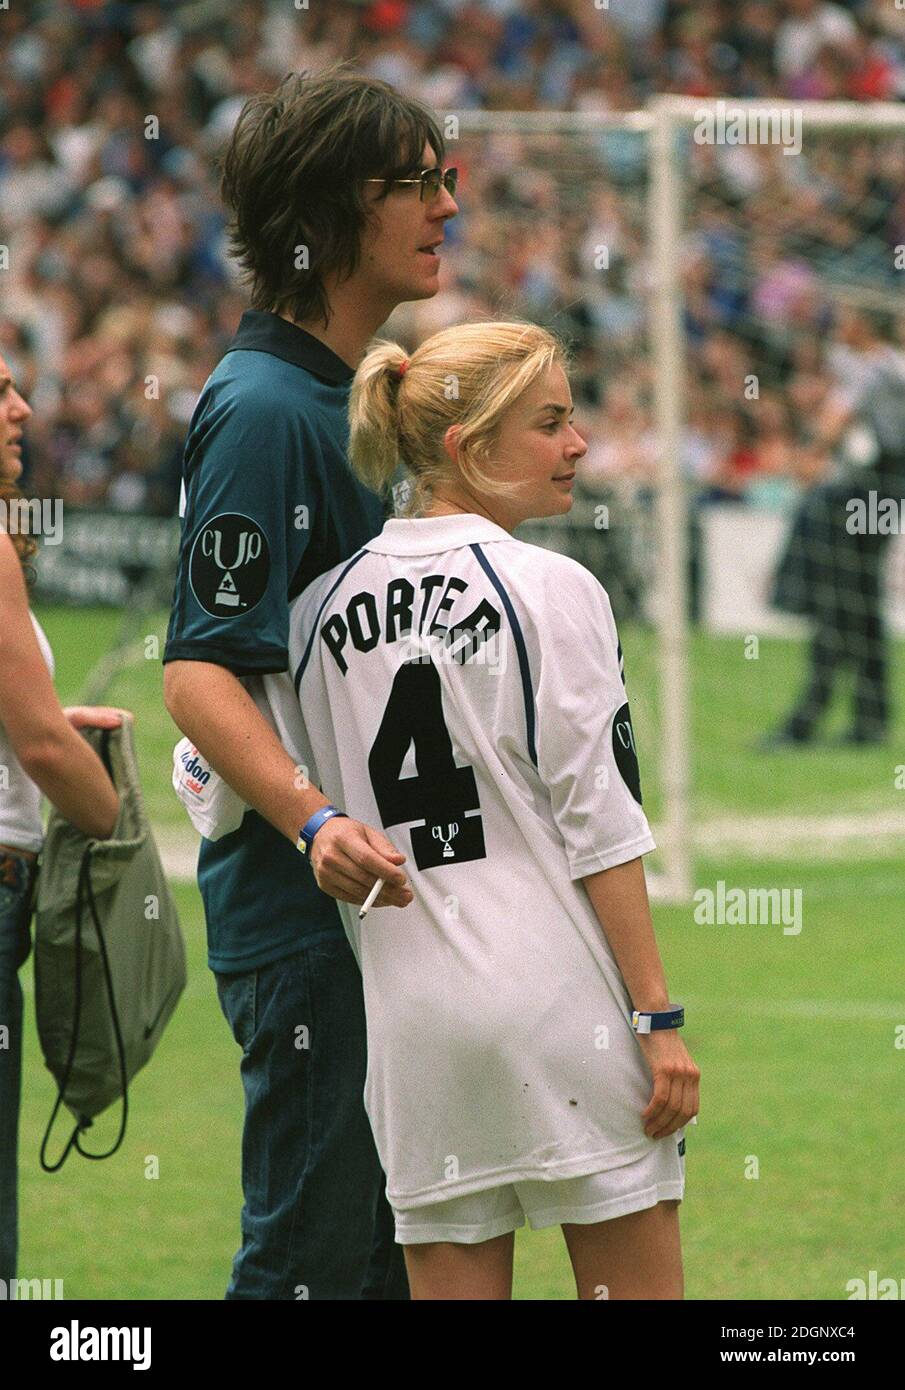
(671, 604)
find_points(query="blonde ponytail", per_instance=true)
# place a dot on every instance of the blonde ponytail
(373, 415)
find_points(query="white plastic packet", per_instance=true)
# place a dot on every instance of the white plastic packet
(214, 808)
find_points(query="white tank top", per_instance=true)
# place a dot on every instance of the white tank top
(20, 797)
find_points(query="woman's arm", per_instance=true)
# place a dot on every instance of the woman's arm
(586, 759)
(68, 771)
(619, 898)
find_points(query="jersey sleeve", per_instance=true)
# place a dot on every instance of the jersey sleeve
(586, 755)
(245, 490)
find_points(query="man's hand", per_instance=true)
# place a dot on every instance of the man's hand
(347, 856)
(676, 1080)
(96, 716)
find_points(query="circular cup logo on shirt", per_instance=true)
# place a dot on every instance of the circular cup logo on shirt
(229, 565)
(625, 753)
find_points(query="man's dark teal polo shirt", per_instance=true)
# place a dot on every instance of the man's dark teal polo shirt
(270, 504)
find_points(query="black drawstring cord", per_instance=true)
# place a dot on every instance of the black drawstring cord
(85, 889)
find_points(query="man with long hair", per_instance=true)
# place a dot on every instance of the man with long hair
(339, 201)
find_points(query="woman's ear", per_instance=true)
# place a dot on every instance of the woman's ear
(451, 442)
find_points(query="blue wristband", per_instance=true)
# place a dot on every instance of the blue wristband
(671, 1017)
(313, 825)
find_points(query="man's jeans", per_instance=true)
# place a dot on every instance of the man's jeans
(316, 1223)
(16, 875)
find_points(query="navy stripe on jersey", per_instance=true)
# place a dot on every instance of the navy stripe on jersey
(305, 659)
(520, 647)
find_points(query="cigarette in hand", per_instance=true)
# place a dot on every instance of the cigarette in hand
(369, 900)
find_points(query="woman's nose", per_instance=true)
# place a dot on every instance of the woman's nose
(578, 445)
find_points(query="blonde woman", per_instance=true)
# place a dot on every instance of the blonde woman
(40, 751)
(468, 696)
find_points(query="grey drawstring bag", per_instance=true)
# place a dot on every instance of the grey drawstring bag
(109, 953)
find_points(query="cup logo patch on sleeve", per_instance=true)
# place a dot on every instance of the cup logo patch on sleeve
(624, 751)
(229, 565)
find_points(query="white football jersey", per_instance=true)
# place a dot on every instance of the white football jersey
(463, 691)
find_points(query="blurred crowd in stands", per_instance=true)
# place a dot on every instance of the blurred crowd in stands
(118, 297)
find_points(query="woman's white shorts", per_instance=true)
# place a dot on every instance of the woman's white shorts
(659, 1176)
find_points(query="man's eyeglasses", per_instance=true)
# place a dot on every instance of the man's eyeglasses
(429, 181)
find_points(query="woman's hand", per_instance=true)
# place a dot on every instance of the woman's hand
(676, 1079)
(96, 716)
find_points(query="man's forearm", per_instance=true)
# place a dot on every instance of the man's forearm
(212, 708)
(619, 898)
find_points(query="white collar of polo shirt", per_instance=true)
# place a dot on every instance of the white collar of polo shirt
(431, 534)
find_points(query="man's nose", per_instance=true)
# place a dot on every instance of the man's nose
(444, 205)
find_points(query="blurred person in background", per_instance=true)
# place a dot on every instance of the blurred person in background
(40, 751)
(832, 569)
(808, 28)
(736, 461)
(773, 484)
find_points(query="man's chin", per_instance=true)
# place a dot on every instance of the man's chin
(421, 289)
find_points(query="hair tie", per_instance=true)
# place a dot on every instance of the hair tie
(402, 368)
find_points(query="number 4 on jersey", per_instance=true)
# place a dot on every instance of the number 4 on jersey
(441, 793)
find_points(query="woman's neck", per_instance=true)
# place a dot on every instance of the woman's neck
(444, 505)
